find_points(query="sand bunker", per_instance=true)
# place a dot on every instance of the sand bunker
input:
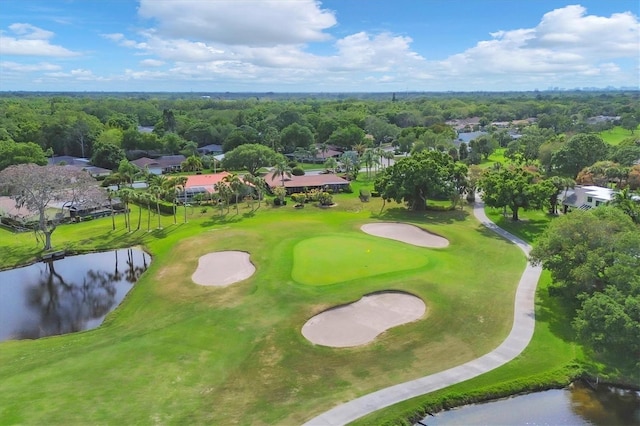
(361, 322)
(223, 268)
(406, 233)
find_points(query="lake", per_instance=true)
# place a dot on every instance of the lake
(576, 405)
(66, 295)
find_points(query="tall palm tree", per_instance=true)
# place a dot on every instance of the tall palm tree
(224, 192)
(180, 185)
(138, 197)
(281, 169)
(126, 195)
(171, 191)
(258, 185)
(110, 195)
(156, 189)
(235, 185)
(389, 155)
(369, 159)
(359, 148)
(191, 164)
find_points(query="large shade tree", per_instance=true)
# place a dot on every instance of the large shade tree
(250, 157)
(415, 179)
(580, 151)
(20, 153)
(38, 188)
(515, 188)
(594, 259)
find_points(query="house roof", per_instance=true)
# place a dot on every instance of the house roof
(306, 180)
(599, 192)
(210, 148)
(205, 180)
(164, 161)
(68, 159)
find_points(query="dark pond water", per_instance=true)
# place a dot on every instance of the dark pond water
(66, 295)
(577, 405)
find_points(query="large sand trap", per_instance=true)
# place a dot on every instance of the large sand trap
(361, 322)
(406, 233)
(223, 268)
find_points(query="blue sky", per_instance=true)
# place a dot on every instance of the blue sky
(317, 46)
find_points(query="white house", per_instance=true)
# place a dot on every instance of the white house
(586, 197)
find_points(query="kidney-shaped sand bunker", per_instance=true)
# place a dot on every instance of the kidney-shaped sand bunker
(361, 322)
(406, 233)
(223, 268)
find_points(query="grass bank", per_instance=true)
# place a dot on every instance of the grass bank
(175, 352)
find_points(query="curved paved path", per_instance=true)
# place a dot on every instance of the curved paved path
(512, 346)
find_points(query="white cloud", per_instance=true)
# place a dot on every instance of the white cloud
(29, 40)
(151, 63)
(21, 68)
(240, 22)
(565, 42)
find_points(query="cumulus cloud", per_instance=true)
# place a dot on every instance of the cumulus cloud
(240, 22)
(29, 40)
(566, 41)
(18, 67)
(151, 63)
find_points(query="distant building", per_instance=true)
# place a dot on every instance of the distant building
(79, 164)
(586, 197)
(212, 149)
(294, 184)
(200, 184)
(160, 165)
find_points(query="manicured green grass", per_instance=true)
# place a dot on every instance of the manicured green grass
(550, 360)
(175, 352)
(616, 135)
(496, 157)
(333, 259)
(528, 227)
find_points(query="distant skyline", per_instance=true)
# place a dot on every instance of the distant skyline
(318, 46)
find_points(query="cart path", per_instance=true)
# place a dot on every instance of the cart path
(517, 340)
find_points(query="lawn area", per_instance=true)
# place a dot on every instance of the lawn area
(616, 135)
(175, 352)
(496, 157)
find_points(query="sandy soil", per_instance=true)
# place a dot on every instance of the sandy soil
(223, 268)
(406, 233)
(361, 322)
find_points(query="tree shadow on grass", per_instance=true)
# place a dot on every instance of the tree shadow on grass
(527, 229)
(221, 220)
(488, 233)
(552, 311)
(399, 214)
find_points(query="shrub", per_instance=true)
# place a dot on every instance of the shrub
(299, 198)
(347, 189)
(292, 164)
(364, 195)
(325, 199)
(297, 171)
(375, 194)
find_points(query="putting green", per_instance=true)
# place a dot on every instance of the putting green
(332, 259)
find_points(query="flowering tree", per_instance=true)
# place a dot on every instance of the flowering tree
(37, 188)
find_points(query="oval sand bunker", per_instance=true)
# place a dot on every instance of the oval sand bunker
(361, 322)
(223, 268)
(406, 233)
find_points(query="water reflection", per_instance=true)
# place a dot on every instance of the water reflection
(578, 405)
(66, 295)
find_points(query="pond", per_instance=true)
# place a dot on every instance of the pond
(576, 405)
(66, 295)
